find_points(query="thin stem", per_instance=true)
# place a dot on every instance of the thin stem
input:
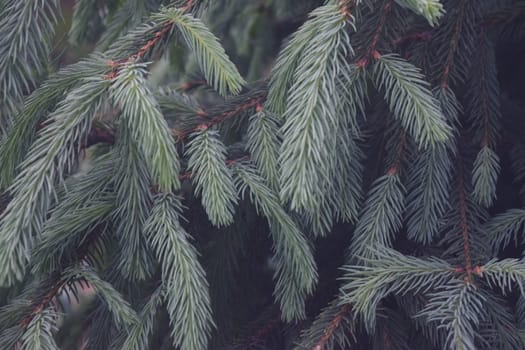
(344, 7)
(394, 169)
(332, 326)
(261, 334)
(454, 42)
(115, 65)
(212, 120)
(371, 51)
(42, 304)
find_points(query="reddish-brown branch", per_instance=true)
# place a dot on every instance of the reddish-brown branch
(115, 65)
(454, 42)
(332, 326)
(188, 6)
(99, 135)
(230, 162)
(371, 51)
(463, 221)
(146, 47)
(216, 119)
(39, 306)
(477, 270)
(261, 334)
(143, 50)
(423, 36)
(104, 135)
(394, 169)
(344, 7)
(190, 85)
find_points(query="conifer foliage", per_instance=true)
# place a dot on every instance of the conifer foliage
(274, 174)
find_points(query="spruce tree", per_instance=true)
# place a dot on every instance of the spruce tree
(274, 174)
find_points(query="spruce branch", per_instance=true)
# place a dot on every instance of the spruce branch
(485, 173)
(504, 274)
(429, 179)
(389, 272)
(380, 218)
(311, 109)
(141, 112)
(310, 142)
(458, 308)
(102, 329)
(67, 233)
(461, 229)
(485, 115)
(258, 339)
(85, 20)
(263, 144)
(140, 43)
(129, 15)
(428, 189)
(455, 42)
(132, 207)
(38, 334)
(235, 106)
(30, 320)
(219, 71)
(371, 50)
(138, 335)
(50, 158)
(464, 222)
(183, 278)
(211, 176)
(392, 331)
(333, 326)
(27, 28)
(410, 100)
(508, 22)
(500, 328)
(483, 94)
(296, 270)
(289, 59)
(282, 75)
(43, 303)
(347, 184)
(78, 221)
(432, 10)
(504, 228)
(123, 313)
(15, 145)
(176, 106)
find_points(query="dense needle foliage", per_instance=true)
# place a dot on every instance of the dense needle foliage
(271, 174)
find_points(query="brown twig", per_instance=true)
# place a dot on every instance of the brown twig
(454, 42)
(261, 334)
(344, 7)
(394, 169)
(116, 65)
(144, 49)
(220, 117)
(39, 306)
(371, 51)
(423, 36)
(188, 6)
(332, 326)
